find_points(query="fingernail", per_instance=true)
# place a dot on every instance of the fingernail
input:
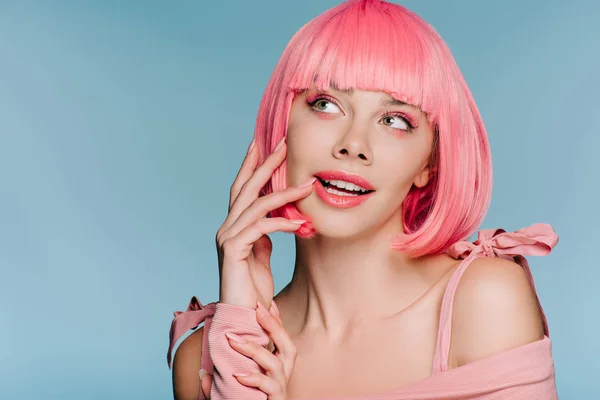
(262, 309)
(252, 144)
(235, 338)
(240, 375)
(280, 144)
(307, 183)
(275, 309)
(202, 373)
(298, 221)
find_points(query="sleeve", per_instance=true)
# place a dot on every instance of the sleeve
(184, 321)
(226, 361)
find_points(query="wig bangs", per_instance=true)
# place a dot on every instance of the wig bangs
(367, 45)
(374, 45)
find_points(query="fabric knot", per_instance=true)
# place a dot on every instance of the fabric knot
(186, 320)
(194, 305)
(487, 248)
(535, 240)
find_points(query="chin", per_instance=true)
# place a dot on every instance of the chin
(338, 229)
(336, 223)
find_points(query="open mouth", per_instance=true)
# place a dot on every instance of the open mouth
(343, 188)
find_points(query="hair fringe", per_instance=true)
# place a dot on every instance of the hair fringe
(379, 46)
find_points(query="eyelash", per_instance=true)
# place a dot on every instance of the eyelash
(406, 118)
(314, 99)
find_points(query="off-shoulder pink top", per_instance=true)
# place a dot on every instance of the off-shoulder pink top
(522, 373)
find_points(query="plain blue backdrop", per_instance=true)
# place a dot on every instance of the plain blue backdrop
(123, 123)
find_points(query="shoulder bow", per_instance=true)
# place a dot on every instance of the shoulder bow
(195, 314)
(535, 240)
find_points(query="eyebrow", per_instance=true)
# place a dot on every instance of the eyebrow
(387, 101)
(335, 87)
(393, 102)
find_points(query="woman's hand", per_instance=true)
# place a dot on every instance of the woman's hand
(278, 366)
(243, 246)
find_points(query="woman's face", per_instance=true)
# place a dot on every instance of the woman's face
(366, 149)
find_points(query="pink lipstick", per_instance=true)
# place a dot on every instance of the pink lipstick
(342, 190)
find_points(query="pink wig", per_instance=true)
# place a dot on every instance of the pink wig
(378, 46)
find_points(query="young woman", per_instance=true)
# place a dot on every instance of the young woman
(369, 147)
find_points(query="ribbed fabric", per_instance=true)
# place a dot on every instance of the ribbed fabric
(522, 373)
(187, 320)
(226, 361)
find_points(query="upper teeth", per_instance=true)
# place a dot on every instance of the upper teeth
(346, 185)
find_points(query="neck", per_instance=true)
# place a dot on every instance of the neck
(339, 283)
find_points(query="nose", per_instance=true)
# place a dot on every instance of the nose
(354, 145)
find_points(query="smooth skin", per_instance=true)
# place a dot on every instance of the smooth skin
(242, 243)
(354, 308)
(244, 251)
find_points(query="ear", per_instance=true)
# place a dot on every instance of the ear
(422, 178)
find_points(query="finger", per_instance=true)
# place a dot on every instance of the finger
(251, 189)
(274, 311)
(265, 359)
(285, 346)
(239, 247)
(246, 170)
(263, 205)
(205, 383)
(262, 250)
(270, 386)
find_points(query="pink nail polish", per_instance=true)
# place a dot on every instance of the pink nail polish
(262, 309)
(275, 309)
(235, 338)
(307, 183)
(279, 145)
(252, 144)
(240, 375)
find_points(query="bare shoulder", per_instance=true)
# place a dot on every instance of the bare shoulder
(186, 366)
(495, 309)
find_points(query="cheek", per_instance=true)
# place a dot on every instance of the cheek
(402, 165)
(308, 137)
(307, 148)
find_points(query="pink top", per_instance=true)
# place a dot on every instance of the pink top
(522, 373)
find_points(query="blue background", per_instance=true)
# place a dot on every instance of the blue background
(123, 123)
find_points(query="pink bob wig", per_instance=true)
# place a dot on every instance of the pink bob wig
(378, 46)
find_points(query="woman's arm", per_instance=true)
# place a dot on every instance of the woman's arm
(186, 367)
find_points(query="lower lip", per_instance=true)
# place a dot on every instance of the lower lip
(337, 201)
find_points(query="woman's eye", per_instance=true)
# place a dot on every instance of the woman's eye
(395, 122)
(326, 106)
